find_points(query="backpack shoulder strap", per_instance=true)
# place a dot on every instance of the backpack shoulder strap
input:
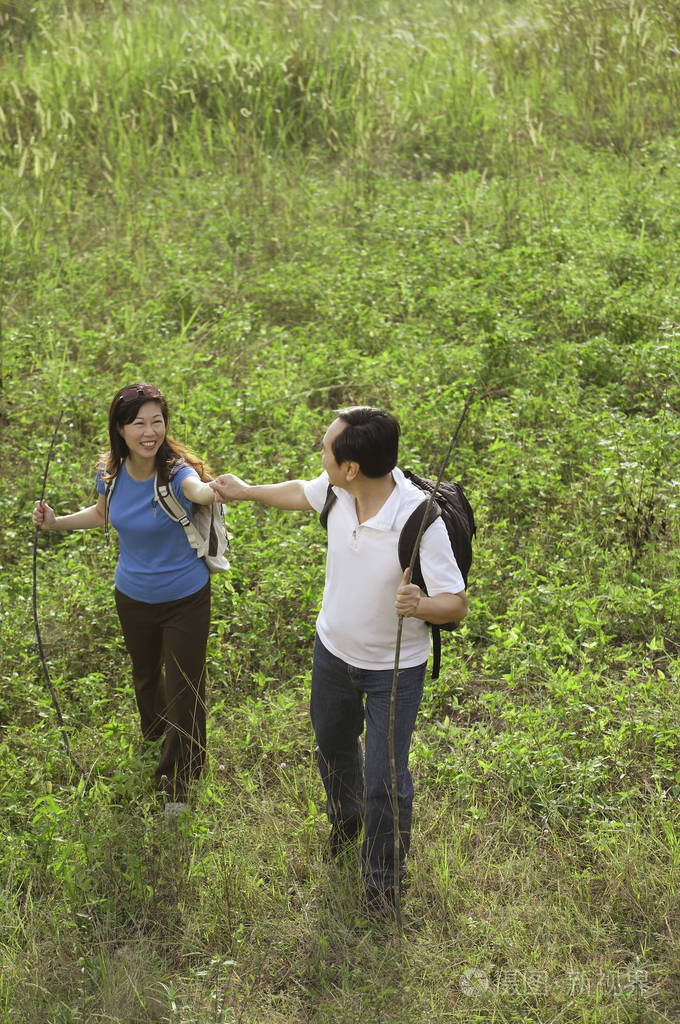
(171, 505)
(331, 498)
(407, 538)
(436, 650)
(174, 510)
(108, 492)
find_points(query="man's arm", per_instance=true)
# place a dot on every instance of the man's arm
(290, 494)
(411, 601)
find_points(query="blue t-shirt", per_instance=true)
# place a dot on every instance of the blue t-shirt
(156, 563)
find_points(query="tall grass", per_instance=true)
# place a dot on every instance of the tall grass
(435, 83)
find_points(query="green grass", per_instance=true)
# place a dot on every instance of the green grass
(274, 210)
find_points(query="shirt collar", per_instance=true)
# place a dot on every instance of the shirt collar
(385, 517)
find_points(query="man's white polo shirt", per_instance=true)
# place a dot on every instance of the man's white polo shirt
(357, 621)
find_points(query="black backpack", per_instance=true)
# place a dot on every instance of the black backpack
(455, 509)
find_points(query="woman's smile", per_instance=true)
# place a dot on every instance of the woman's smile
(145, 434)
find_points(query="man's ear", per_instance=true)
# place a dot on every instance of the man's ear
(351, 470)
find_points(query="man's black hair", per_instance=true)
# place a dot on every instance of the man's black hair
(370, 438)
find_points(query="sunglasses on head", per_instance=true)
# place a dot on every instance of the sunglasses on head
(136, 391)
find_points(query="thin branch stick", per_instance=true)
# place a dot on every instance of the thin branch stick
(53, 693)
(395, 677)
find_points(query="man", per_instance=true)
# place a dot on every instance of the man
(353, 661)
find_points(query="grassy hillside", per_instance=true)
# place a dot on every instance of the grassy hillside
(272, 210)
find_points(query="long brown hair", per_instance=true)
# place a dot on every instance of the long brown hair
(171, 454)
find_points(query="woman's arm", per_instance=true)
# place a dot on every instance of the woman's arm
(87, 519)
(195, 490)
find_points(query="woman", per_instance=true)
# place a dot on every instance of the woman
(162, 588)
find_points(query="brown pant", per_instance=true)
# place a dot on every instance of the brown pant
(167, 644)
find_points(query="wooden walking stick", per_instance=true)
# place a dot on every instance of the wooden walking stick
(395, 677)
(53, 692)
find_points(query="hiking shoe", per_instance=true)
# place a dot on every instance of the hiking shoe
(174, 808)
(379, 904)
(343, 837)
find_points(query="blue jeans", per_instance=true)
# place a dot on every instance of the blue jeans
(343, 699)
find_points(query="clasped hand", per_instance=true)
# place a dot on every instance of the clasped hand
(43, 516)
(229, 487)
(409, 596)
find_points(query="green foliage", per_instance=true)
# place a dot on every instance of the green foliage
(275, 210)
